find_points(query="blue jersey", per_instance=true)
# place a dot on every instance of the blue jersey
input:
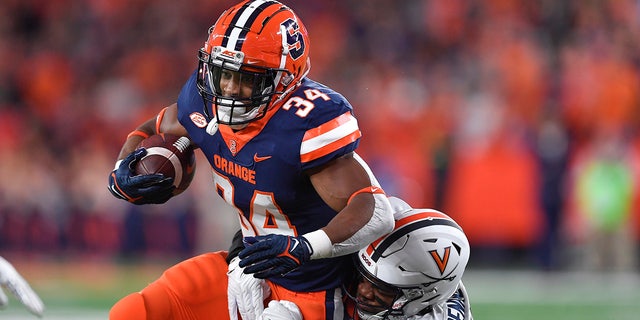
(260, 170)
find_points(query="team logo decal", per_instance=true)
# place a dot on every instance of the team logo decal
(198, 119)
(295, 41)
(441, 261)
(233, 147)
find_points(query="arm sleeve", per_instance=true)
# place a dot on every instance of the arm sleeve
(381, 222)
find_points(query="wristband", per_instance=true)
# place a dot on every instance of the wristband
(320, 244)
(138, 133)
(159, 118)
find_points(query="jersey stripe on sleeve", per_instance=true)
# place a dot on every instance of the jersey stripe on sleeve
(329, 137)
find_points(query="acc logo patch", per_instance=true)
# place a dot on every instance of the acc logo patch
(198, 119)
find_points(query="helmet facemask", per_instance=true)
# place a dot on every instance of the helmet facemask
(234, 109)
(382, 311)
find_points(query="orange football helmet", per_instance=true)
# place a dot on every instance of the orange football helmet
(263, 47)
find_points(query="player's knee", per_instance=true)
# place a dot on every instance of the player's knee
(131, 307)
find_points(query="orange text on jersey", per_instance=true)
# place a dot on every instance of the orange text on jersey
(234, 169)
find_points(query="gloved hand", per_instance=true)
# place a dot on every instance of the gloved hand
(13, 282)
(245, 293)
(281, 310)
(139, 189)
(274, 254)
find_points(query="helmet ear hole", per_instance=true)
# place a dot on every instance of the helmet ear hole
(413, 294)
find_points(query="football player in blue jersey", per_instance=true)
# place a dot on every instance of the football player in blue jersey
(282, 148)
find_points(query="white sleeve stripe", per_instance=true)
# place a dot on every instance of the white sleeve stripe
(315, 143)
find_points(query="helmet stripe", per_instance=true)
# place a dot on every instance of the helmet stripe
(242, 21)
(425, 214)
(401, 232)
(428, 213)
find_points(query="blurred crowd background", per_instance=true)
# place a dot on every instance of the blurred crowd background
(518, 118)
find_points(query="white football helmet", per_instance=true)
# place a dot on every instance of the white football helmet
(422, 260)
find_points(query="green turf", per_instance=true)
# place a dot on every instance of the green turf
(491, 311)
(87, 291)
(502, 295)
(533, 311)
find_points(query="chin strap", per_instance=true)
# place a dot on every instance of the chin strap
(212, 127)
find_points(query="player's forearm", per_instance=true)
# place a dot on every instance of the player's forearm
(351, 219)
(367, 217)
(165, 122)
(136, 136)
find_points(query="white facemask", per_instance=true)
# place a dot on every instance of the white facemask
(225, 114)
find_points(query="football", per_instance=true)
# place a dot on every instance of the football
(170, 155)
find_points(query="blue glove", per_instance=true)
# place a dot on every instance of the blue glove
(139, 189)
(274, 255)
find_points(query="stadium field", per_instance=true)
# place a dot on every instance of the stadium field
(87, 290)
(502, 295)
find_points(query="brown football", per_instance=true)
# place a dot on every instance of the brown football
(170, 155)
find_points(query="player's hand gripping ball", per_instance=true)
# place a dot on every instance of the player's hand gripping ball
(171, 156)
(161, 168)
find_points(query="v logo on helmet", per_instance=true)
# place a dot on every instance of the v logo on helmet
(441, 261)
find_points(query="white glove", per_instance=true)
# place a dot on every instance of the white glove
(13, 282)
(246, 293)
(281, 310)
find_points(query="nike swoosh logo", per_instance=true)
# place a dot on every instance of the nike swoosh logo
(257, 158)
(295, 244)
